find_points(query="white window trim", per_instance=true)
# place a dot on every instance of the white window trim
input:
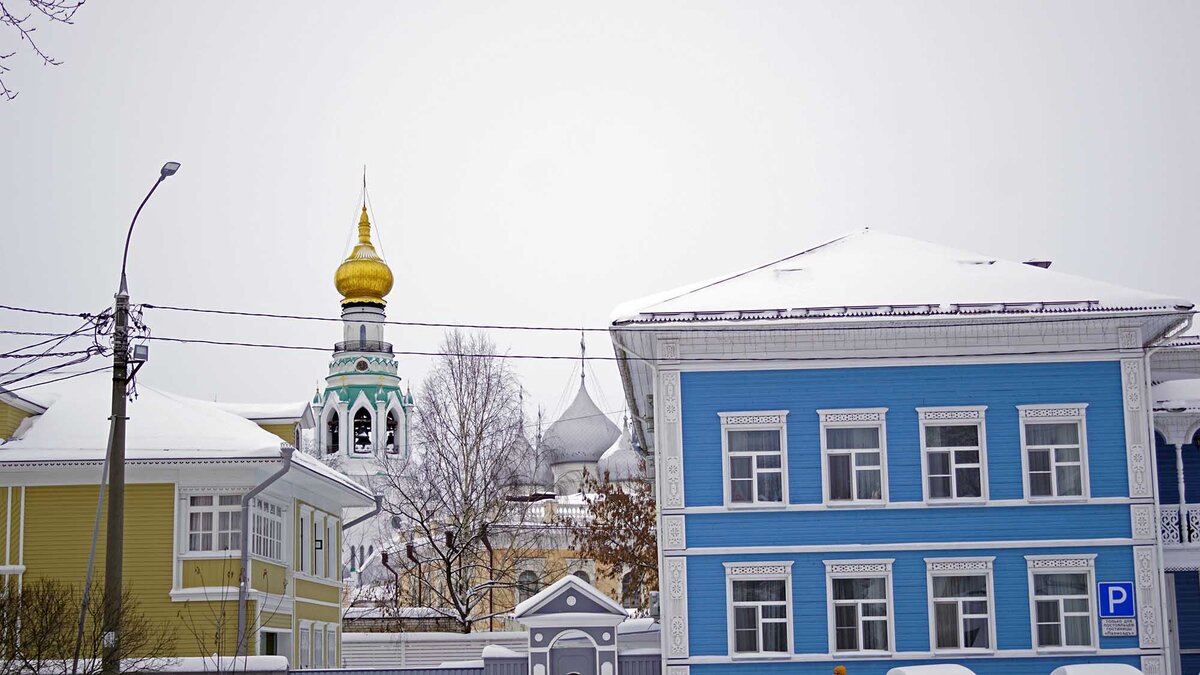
(1051, 413)
(284, 544)
(859, 569)
(759, 571)
(839, 418)
(1063, 564)
(185, 521)
(755, 420)
(304, 651)
(949, 416)
(961, 567)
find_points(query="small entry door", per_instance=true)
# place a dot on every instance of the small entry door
(573, 661)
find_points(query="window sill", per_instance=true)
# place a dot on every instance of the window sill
(860, 655)
(1058, 500)
(963, 652)
(856, 504)
(758, 506)
(971, 501)
(761, 656)
(211, 555)
(1066, 650)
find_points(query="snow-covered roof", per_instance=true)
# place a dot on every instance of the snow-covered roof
(581, 434)
(289, 410)
(1177, 395)
(553, 590)
(870, 273)
(161, 427)
(621, 462)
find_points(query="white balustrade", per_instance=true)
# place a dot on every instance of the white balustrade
(1180, 526)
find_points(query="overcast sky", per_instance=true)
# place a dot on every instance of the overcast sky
(540, 162)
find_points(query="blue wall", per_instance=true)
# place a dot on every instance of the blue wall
(1001, 387)
(707, 614)
(982, 666)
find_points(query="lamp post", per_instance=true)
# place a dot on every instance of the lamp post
(114, 540)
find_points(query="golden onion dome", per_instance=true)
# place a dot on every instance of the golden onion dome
(363, 276)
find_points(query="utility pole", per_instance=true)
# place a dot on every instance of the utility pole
(110, 639)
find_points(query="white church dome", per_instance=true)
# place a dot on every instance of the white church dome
(621, 462)
(581, 434)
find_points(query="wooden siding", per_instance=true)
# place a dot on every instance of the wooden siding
(287, 432)
(10, 419)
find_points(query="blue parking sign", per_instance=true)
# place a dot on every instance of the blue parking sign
(1116, 599)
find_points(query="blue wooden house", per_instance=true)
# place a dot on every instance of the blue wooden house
(880, 452)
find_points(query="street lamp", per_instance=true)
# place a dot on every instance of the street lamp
(110, 636)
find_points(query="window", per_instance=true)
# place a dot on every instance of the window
(760, 600)
(268, 530)
(754, 445)
(854, 455)
(318, 644)
(389, 444)
(331, 648)
(214, 523)
(302, 551)
(1062, 602)
(331, 548)
(1054, 440)
(362, 431)
(631, 591)
(527, 585)
(960, 597)
(953, 442)
(318, 538)
(583, 576)
(860, 606)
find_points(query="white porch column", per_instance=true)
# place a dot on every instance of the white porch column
(1183, 527)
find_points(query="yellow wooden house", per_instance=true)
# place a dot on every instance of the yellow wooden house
(189, 463)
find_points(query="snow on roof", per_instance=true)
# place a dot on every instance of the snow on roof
(553, 589)
(265, 411)
(873, 273)
(1177, 394)
(161, 426)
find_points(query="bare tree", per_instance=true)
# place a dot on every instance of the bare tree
(466, 536)
(619, 534)
(36, 639)
(22, 22)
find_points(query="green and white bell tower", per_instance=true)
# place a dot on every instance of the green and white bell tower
(363, 414)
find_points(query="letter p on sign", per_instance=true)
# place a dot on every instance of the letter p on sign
(1116, 600)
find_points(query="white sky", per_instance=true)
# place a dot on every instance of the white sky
(540, 162)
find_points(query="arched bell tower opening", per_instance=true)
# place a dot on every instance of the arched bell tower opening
(362, 432)
(333, 436)
(392, 425)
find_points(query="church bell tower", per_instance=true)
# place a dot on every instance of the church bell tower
(363, 414)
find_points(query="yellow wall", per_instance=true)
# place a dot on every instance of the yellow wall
(10, 419)
(285, 431)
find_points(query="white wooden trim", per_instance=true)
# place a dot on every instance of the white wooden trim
(1071, 563)
(927, 417)
(844, 569)
(1049, 412)
(995, 503)
(759, 571)
(971, 567)
(743, 421)
(828, 419)
(906, 546)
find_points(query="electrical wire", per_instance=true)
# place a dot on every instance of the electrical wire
(59, 379)
(46, 312)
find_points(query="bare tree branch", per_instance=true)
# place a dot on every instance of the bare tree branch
(52, 11)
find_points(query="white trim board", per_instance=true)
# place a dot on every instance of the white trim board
(816, 506)
(906, 546)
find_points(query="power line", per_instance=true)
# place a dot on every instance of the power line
(46, 312)
(910, 321)
(57, 379)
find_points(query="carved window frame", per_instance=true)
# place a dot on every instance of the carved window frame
(871, 568)
(1064, 564)
(757, 420)
(849, 418)
(961, 567)
(1055, 413)
(949, 416)
(759, 571)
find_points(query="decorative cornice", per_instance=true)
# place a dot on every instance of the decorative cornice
(964, 413)
(1070, 410)
(852, 415)
(755, 418)
(758, 569)
(1037, 562)
(959, 564)
(880, 566)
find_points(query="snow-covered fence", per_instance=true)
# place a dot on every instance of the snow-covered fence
(422, 650)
